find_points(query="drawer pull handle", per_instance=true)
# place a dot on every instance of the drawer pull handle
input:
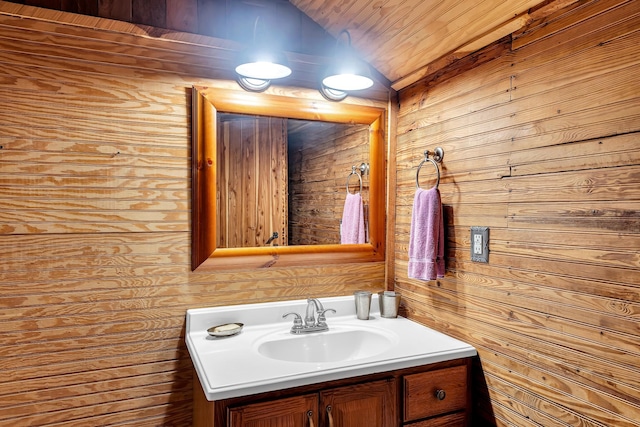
(310, 415)
(440, 394)
(329, 416)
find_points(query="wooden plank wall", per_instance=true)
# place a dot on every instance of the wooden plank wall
(95, 235)
(319, 163)
(231, 22)
(251, 181)
(226, 19)
(542, 145)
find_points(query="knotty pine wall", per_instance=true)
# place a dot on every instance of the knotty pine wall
(542, 145)
(95, 232)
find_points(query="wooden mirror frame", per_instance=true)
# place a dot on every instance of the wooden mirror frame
(206, 102)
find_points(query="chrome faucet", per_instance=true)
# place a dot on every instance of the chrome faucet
(313, 306)
(314, 319)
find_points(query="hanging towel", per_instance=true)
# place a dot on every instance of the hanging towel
(426, 238)
(352, 228)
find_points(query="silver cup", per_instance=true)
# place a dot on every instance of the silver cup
(363, 304)
(389, 303)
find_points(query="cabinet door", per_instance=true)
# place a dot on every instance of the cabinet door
(363, 405)
(298, 411)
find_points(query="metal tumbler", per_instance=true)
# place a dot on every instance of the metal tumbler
(363, 304)
(389, 303)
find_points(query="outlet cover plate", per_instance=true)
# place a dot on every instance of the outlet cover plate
(480, 244)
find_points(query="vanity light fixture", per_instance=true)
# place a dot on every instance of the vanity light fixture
(345, 73)
(261, 63)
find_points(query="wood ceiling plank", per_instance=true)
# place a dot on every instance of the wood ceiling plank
(359, 20)
(326, 12)
(348, 19)
(398, 21)
(387, 22)
(456, 33)
(394, 47)
(406, 40)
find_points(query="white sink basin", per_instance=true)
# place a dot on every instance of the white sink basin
(322, 347)
(265, 356)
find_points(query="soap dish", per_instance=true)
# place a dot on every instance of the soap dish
(226, 330)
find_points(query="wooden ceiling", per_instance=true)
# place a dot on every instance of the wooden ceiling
(409, 39)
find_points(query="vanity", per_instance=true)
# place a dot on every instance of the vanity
(381, 372)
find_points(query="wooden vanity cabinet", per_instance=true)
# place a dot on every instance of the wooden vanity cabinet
(434, 395)
(370, 404)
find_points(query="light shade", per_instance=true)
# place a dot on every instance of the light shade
(346, 72)
(260, 63)
(347, 81)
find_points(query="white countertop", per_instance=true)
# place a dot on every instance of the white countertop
(232, 366)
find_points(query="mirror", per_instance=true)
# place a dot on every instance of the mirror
(209, 105)
(283, 181)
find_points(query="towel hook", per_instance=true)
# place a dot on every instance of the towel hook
(438, 155)
(353, 172)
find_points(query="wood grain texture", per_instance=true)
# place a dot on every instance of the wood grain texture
(307, 46)
(541, 146)
(182, 15)
(554, 314)
(404, 39)
(320, 161)
(420, 393)
(95, 179)
(251, 181)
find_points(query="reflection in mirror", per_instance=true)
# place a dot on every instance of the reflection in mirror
(321, 157)
(289, 155)
(283, 181)
(251, 190)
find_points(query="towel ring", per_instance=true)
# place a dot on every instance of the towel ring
(438, 154)
(353, 172)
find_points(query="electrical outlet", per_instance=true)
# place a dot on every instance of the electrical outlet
(480, 244)
(477, 244)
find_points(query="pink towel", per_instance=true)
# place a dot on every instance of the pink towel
(426, 239)
(352, 228)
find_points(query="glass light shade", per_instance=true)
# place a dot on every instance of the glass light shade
(346, 72)
(261, 64)
(263, 70)
(347, 82)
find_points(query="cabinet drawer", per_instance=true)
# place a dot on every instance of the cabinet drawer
(428, 394)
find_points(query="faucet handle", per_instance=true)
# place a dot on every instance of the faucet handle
(297, 322)
(322, 320)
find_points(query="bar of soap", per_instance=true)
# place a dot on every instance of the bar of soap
(225, 330)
